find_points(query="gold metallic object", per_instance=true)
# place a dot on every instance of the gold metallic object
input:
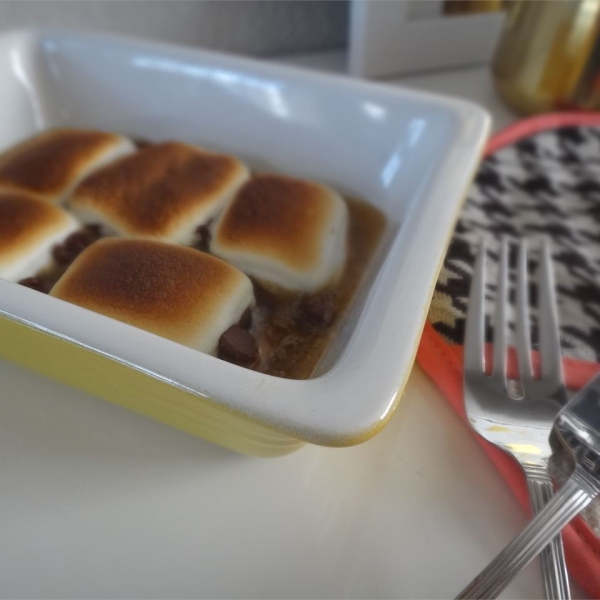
(469, 7)
(548, 57)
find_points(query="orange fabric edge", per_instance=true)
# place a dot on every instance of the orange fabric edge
(443, 364)
(527, 127)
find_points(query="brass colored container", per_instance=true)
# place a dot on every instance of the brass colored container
(470, 7)
(548, 57)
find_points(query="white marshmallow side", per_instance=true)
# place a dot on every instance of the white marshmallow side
(91, 217)
(123, 147)
(36, 258)
(333, 251)
(230, 312)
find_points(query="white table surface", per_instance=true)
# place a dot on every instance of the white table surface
(99, 502)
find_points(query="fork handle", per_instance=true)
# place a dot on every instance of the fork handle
(552, 558)
(579, 490)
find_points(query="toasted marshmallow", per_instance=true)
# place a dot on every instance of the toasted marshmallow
(50, 165)
(164, 192)
(176, 292)
(284, 231)
(29, 229)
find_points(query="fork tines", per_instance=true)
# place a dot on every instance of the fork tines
(549, 341)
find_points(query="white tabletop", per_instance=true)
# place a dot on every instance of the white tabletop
(99, 502)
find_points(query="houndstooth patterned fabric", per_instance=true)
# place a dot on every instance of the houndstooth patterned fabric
(546, 184)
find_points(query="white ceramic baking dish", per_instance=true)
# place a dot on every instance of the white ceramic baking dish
(410, 154)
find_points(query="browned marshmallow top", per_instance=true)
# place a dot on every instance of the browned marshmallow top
(157, 190)
(26, 222)
(277, 217)
(48, 163)
(173, 291)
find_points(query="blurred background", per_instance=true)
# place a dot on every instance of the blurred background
(542, 55)
(252, 27)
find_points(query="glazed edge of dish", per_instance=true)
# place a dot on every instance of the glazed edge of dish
(143, 393)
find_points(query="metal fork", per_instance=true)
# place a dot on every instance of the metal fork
(521, 427)
(577, 427)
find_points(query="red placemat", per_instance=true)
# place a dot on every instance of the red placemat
(538, 177)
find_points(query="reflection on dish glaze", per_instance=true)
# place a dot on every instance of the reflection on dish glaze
(264, 94)
(415, 130)
(416, 127)
(21, 75)
(387, 175)
(391, 403)
(375, 111)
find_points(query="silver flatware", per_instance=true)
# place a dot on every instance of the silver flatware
(578, 428)
(519, 426)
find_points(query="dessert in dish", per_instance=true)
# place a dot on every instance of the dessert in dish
(165, 191)
(51, 164)
(29, 230)
(173, 291)
(283, 231)
(257, 269)
(294, 329)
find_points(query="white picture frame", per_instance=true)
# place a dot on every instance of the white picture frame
(394, 37)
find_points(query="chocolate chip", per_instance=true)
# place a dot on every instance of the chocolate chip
(62, 255)
(246, 319)
(315, 311)
(35, 283)
(204, 236)
(94, 230)
(238, 346)
(264, 297)
(141, 143)
(77, 242)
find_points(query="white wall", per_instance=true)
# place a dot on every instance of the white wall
(252, 27)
